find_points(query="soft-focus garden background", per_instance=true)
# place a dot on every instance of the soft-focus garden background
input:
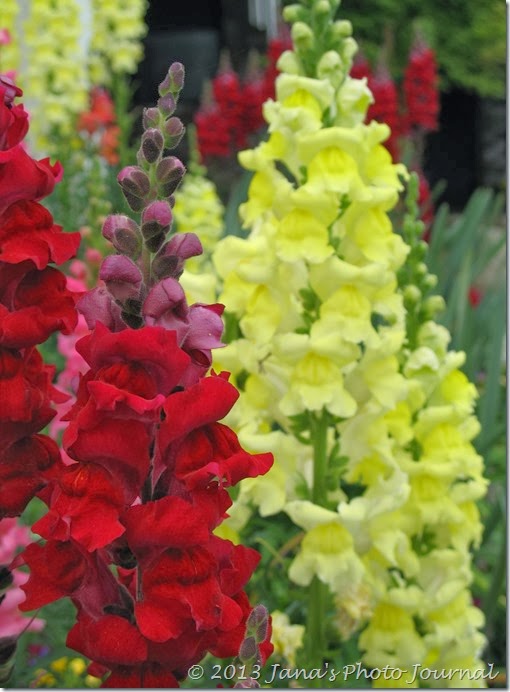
(462, 161)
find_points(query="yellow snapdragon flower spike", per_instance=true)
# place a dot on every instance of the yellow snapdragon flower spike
(84, 43)
(382, 475)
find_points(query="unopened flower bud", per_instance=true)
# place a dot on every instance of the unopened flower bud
(432, 306)
(152, 144)
(167, 105)
(342, 28)
(169, 173)
(330, 66)
(151, 118)
(124, 234)
(97, 305)
(302, 36)
(248, 650)
(293, 13)
(174, 80)
(135, 185)
(258, 615)
(421, 249)
(289, 63)
(412, 295)
(430, 281)
(122, 277)
(257, 623)
(156, 219)
(322, 7)
(170, 259)
(174, 131)
(421, 268)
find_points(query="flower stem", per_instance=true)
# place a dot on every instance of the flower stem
(315, 638)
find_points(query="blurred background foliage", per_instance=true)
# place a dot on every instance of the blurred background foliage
(469, 37)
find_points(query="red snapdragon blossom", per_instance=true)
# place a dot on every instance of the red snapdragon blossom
(34, 303)
(130, 523)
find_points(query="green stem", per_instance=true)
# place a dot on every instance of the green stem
(315, 641)
(320, 458)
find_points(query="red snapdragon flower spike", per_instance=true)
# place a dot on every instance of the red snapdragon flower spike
(213, 138)
(421, 89)
(34, 303)
(361, 68)
(130, 523)
(253, 97)
(385, 108)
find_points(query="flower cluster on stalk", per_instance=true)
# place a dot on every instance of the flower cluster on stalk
(130, 527)
(234, 112)
(345, 374)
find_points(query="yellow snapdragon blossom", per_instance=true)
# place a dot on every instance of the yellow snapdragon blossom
(286, 638)
(325, 357)
(82, 44)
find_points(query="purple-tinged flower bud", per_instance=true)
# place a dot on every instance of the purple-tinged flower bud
(174, 131)
(257, 623)
(135, 185)
(166, 306)
(174, 80)
(170, 259)
(156, 222)
(248, 650)
(184, 245)
(152, 145)
(122, 277)
(156, 218)
(98, 305)
(167, 105)
(124, 234)
(206, 328)
(169, 173)
(151, 118)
